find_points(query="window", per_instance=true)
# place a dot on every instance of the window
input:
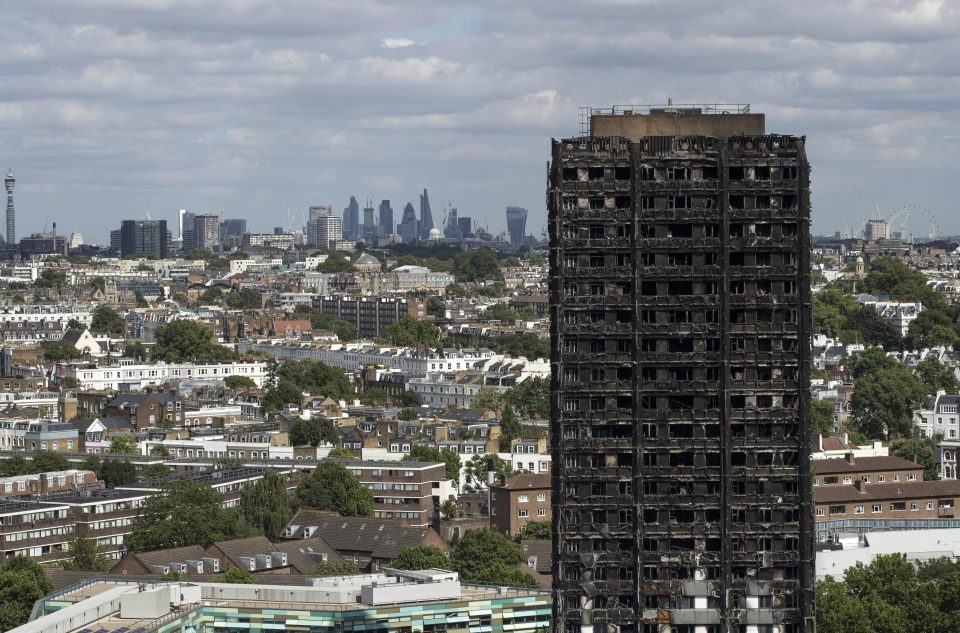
(876, 507)
(898, 506)
(896, 477)
(911, 477)
(522, 499)
(881, 478)
(820, 512)
(914, 506)
(838, 509)
(858, 510)
(866, 479)
(523, 513)
(847, 480)
(541, 496)
(541, 512)
(929, 505)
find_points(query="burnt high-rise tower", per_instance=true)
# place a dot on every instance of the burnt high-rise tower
(680, 305)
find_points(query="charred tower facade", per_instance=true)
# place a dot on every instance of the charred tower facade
(680, 304)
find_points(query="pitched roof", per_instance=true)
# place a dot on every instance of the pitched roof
(525, 481)
(173, 555)
(383, 538)
(303, 555)
(543, 550)
(244, 547)
(877, 492)
(862, 464)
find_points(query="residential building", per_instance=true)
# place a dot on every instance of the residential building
(132, 376)
(519, 499)
(939, 420)
(206, 231)
(868, 470)
(899, 314)
(370, 315)
(680, 329)
(404, 490)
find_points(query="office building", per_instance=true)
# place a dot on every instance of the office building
(147, 238)
(465, 224)
(10, 183)
(426, 217)
(188, 240)
(385, 227)
(680, 334)
(876, 229)
(351, 220)
(516, 225)
(451, 229)
(206, 232)
(369, 231)
(407, 229)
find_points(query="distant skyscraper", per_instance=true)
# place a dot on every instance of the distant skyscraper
(326, 231)
(10, 183)
(369, 224)
(206, 231)
(231, 230)
(144, 237)
(115, 241)
(426, 217)
(452, 228)
(181, 216)
(188, 241)
(465, 224)
(386, 219)
(408, 225)
(351, 219)
(516, 224)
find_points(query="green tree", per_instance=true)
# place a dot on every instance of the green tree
(436, 307)
(156, 471)
(449, 509)
(159, 450)
(884, 400)
(417, 557)
(140, 299)
(510, 428)
(500, 312)
(61, 351)
(529, 346)
(935, 376)
(312, 432)
(48, 462)
(890, 276)
(22, 583)
(123, 445)
(239, 576)
(85, 556)
(73, 324)
(865, 325)
(117, 472)
(487, 556)
(135, 350)
(338, 452)
(477, 266)
(185, 513)
(246, 299)
(344, 330)
(410, 332)
(335, 568)
(407, 414)
(265, 504)
(932, 328)
(69, 382)
(336, 262)
(919, 450)
(475, 472)
(182, 340)
(212, 296)
(536, 531)
(239, 382)
(431, 454)
(332, 487)
(873, 359)
(51, 278)
(106, 320)
(281, 395)
(823, 415)
(831, 308)
(530, 398)
(488, 398)
(16, 465)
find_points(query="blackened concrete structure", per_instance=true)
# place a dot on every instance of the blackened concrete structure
(680, 323)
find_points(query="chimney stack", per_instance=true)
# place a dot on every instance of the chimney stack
(849, 457)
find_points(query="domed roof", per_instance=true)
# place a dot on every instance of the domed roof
(434, 234)
(859, 259)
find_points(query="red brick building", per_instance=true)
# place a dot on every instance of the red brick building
(519, 500)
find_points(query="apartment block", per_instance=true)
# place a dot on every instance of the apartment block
(517, 500)
(680, 323)
(370, 315)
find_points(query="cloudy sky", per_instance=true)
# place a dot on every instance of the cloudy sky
(111, 109)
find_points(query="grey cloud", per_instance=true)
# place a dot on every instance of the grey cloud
(113, 108)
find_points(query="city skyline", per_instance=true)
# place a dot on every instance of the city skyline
(114, 110)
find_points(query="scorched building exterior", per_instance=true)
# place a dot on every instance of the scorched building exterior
(680, 301)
